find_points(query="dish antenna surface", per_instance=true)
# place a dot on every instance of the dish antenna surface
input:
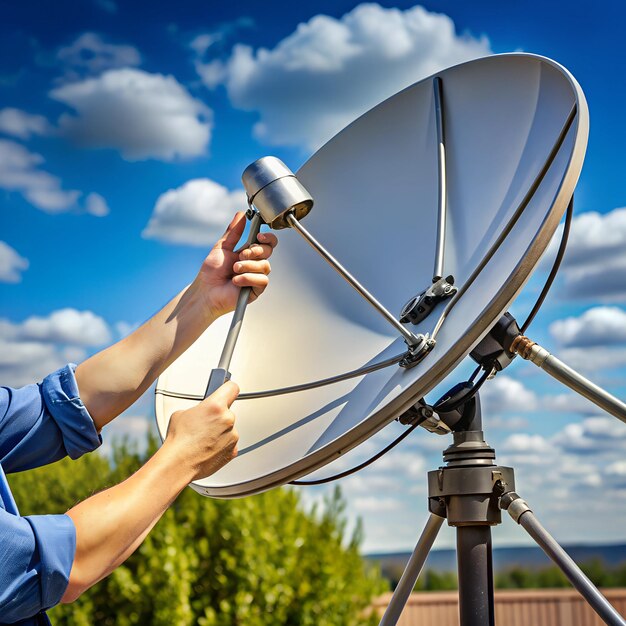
(464, 175)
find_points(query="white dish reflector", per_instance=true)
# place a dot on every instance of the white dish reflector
(515, 127)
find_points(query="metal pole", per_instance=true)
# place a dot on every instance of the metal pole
(474, 563)
(412, 571)
(538, 355)
(442, 191)
(242, 303)
(521, 513)
(409, 337)
(220, 374)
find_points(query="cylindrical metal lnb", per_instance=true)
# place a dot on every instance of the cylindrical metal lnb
(275, 191)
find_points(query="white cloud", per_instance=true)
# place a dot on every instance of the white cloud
(594, 435)
(374, 481)
(568, 402)
(506, 394)
(594, 358)
(123, 329)
(407, 463)
(20, 171)
(53, 200)
(201, 43)
(65, 326)
(617, 469)
(90, 55)
(576, 459)
(140, 114)
(375, 504)
(602, 325)
(596, 236)
(329, 71)
(502, 423)
(23, 125)
(133, 429)
(523, 442)
(594, 265)
(24, 362)
(31, 349)
(73, 354)
(196, 213)
(96, 205)
(11, 264)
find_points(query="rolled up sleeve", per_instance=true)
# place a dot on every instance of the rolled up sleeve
(60, 394)
(45, 422)
(36, 553)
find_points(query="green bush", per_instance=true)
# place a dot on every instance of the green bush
(433, 580)
(257, 561)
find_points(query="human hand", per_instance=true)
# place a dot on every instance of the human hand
(225, 270)
(204, 437)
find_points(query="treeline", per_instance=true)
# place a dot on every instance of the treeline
(260, 561)
(550, 577)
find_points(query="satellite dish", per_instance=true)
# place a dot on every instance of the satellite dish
(515, 131)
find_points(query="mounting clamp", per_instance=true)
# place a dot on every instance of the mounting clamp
(419, 307)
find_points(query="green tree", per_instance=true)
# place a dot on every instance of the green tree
(257, 561)
(551, 578)
(516, 578)
(433, 580)
(599, 574)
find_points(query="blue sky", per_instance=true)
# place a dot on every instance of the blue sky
(124, 129)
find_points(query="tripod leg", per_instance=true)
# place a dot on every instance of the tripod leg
(521, 513)
(476, 602)
(412, 571)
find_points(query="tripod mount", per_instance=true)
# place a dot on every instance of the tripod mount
(469, 491)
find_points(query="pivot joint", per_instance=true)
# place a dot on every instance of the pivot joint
(417, 351)
(514, 505)
(421, 306)
(426, 416)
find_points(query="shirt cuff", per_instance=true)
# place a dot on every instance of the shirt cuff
(55, 538)
(60, 393)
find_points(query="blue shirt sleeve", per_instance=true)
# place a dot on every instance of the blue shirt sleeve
(36, 553)
(42, 423)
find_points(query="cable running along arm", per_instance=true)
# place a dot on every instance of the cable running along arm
(357, 468)
(512, 221)
(269, 393)
(555, 267)
(442, 188)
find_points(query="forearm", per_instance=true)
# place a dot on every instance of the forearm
(110, 381)
(113, 523)
(131, 549)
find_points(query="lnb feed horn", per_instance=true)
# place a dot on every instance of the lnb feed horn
(276, 192)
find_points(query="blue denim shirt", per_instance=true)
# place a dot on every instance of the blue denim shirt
(39, 424)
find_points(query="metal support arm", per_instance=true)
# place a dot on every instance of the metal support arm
(538, 355)
(221, 374)
(409, 337)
